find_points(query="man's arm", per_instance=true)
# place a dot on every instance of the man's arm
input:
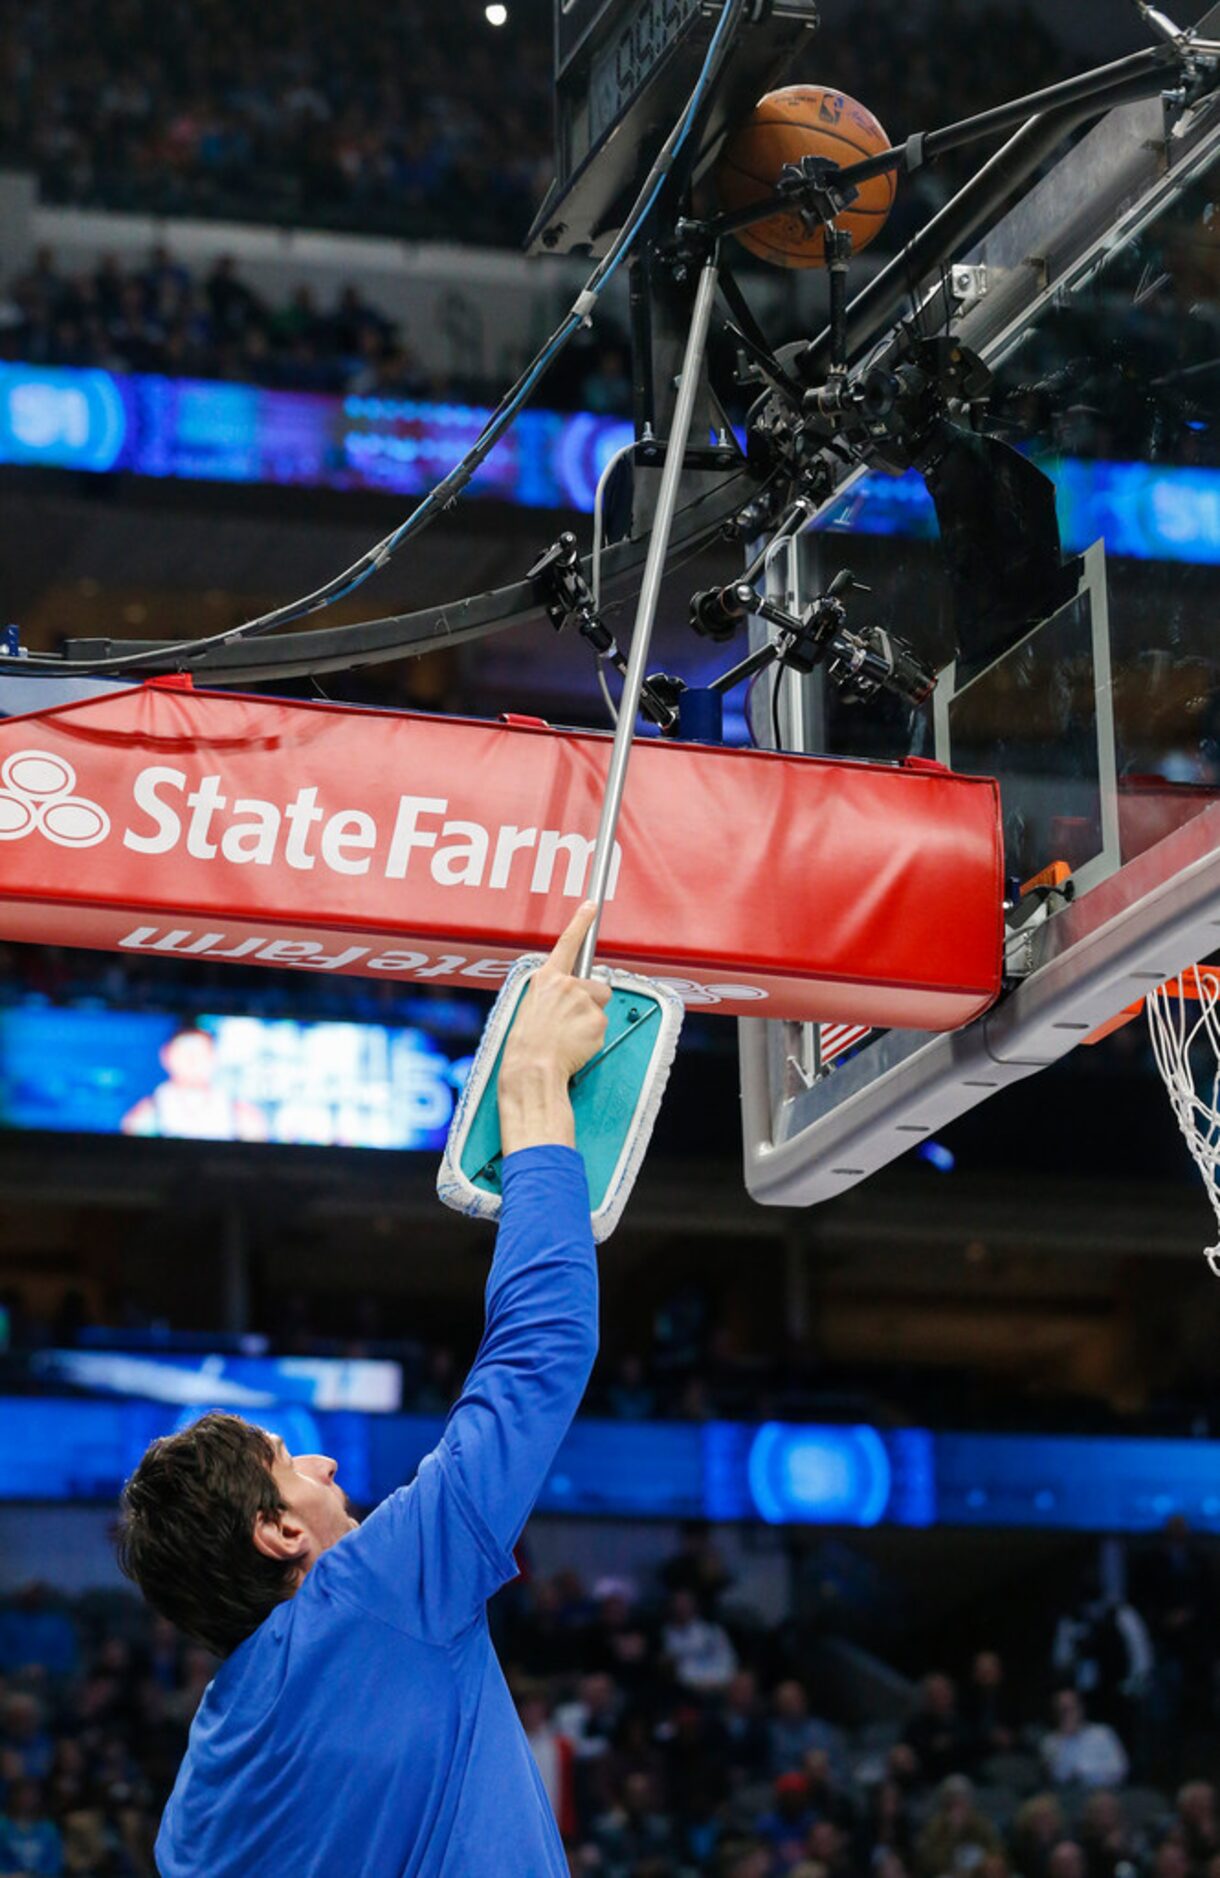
(431, 1555)
(541, 1317)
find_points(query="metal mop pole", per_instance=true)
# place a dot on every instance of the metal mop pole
(646, 609)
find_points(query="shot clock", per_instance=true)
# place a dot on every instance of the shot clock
(623, 71)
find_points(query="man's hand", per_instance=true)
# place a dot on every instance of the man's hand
(560, 1024)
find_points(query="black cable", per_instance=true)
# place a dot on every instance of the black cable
(776, 682)
(447, 491)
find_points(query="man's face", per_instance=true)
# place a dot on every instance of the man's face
(190, 1059)
(317, 1513)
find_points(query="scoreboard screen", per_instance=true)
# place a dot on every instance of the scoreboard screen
(621, 69)
(624, 69)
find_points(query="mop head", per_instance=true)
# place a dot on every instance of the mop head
(615, 1098)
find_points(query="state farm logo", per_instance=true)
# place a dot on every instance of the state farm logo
(36, 791)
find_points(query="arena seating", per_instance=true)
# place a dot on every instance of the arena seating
(676, 1736)
(400, 122)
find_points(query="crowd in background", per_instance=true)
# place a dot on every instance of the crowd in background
(676, 1734)
(161, 317)
(415, 120)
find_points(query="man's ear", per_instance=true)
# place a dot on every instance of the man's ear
(280, 1537)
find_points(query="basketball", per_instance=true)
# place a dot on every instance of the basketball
(786, 125)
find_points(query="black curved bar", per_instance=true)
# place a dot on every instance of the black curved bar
(372, 642)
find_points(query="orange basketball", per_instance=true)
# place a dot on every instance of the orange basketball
(786, 125)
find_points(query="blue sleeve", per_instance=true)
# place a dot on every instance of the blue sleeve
(431, 1555)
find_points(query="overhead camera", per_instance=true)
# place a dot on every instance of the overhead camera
(861, 661)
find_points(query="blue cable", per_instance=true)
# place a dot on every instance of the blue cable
(451, 486)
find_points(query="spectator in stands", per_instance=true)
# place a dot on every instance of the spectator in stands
(703, 1828)
(617, 1641)
(30, 1842)
(697, 1649)
(829, 1848)
(956, 1834)
(936, 1733)
(743, 1729)
(552, 1751)
(633, 1831)
(1067, 1860)
(1105, 1835)
(987, 1714)
(697, 1565)
(794, 1731)
(27, 1750)
(1078, 1752)
(890, 1823)
(1197, 1821)
(690, 1747)
(1104, 1650)
(828, 1795)
(591, 1721)
(902, 1767)
(1178, 1593)
(1039, 1826)
(739, 1860)
(785, 1826)
(546, 1641)
(1172, 1861)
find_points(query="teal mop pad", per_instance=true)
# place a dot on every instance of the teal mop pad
(615, 1098)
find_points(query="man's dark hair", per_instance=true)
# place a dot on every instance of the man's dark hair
(186, 1531)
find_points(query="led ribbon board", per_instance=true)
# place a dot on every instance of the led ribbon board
(162, 820)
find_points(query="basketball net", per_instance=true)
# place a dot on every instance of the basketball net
(1180, 1040)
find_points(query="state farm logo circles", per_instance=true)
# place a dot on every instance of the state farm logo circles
(36, 791)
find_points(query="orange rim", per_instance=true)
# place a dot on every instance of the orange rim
(1189, 984)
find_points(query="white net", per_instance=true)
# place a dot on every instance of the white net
(1184, 1025)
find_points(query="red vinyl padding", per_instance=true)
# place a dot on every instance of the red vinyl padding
(418, 847)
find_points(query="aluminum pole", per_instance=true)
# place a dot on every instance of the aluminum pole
(646, 609)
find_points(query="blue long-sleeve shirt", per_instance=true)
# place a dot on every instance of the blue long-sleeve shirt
(365, 1727)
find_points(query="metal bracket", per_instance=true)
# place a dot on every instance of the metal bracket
(968, 282)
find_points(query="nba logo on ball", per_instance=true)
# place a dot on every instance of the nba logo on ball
(784, 128)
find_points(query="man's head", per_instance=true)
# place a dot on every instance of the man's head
(1069, 1712)
(189, 1057)
(987, 1671)
(683, 1609)
(742, 1693)
(955, 1801)
(939, 1696)
(219, 1524)
(1197, 1805)
(791, 1796)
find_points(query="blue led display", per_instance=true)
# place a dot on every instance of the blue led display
(826, 1476)
(782, 1473)
(233, 1078)
(61, 419)
(199, 429)
(245, 1384)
